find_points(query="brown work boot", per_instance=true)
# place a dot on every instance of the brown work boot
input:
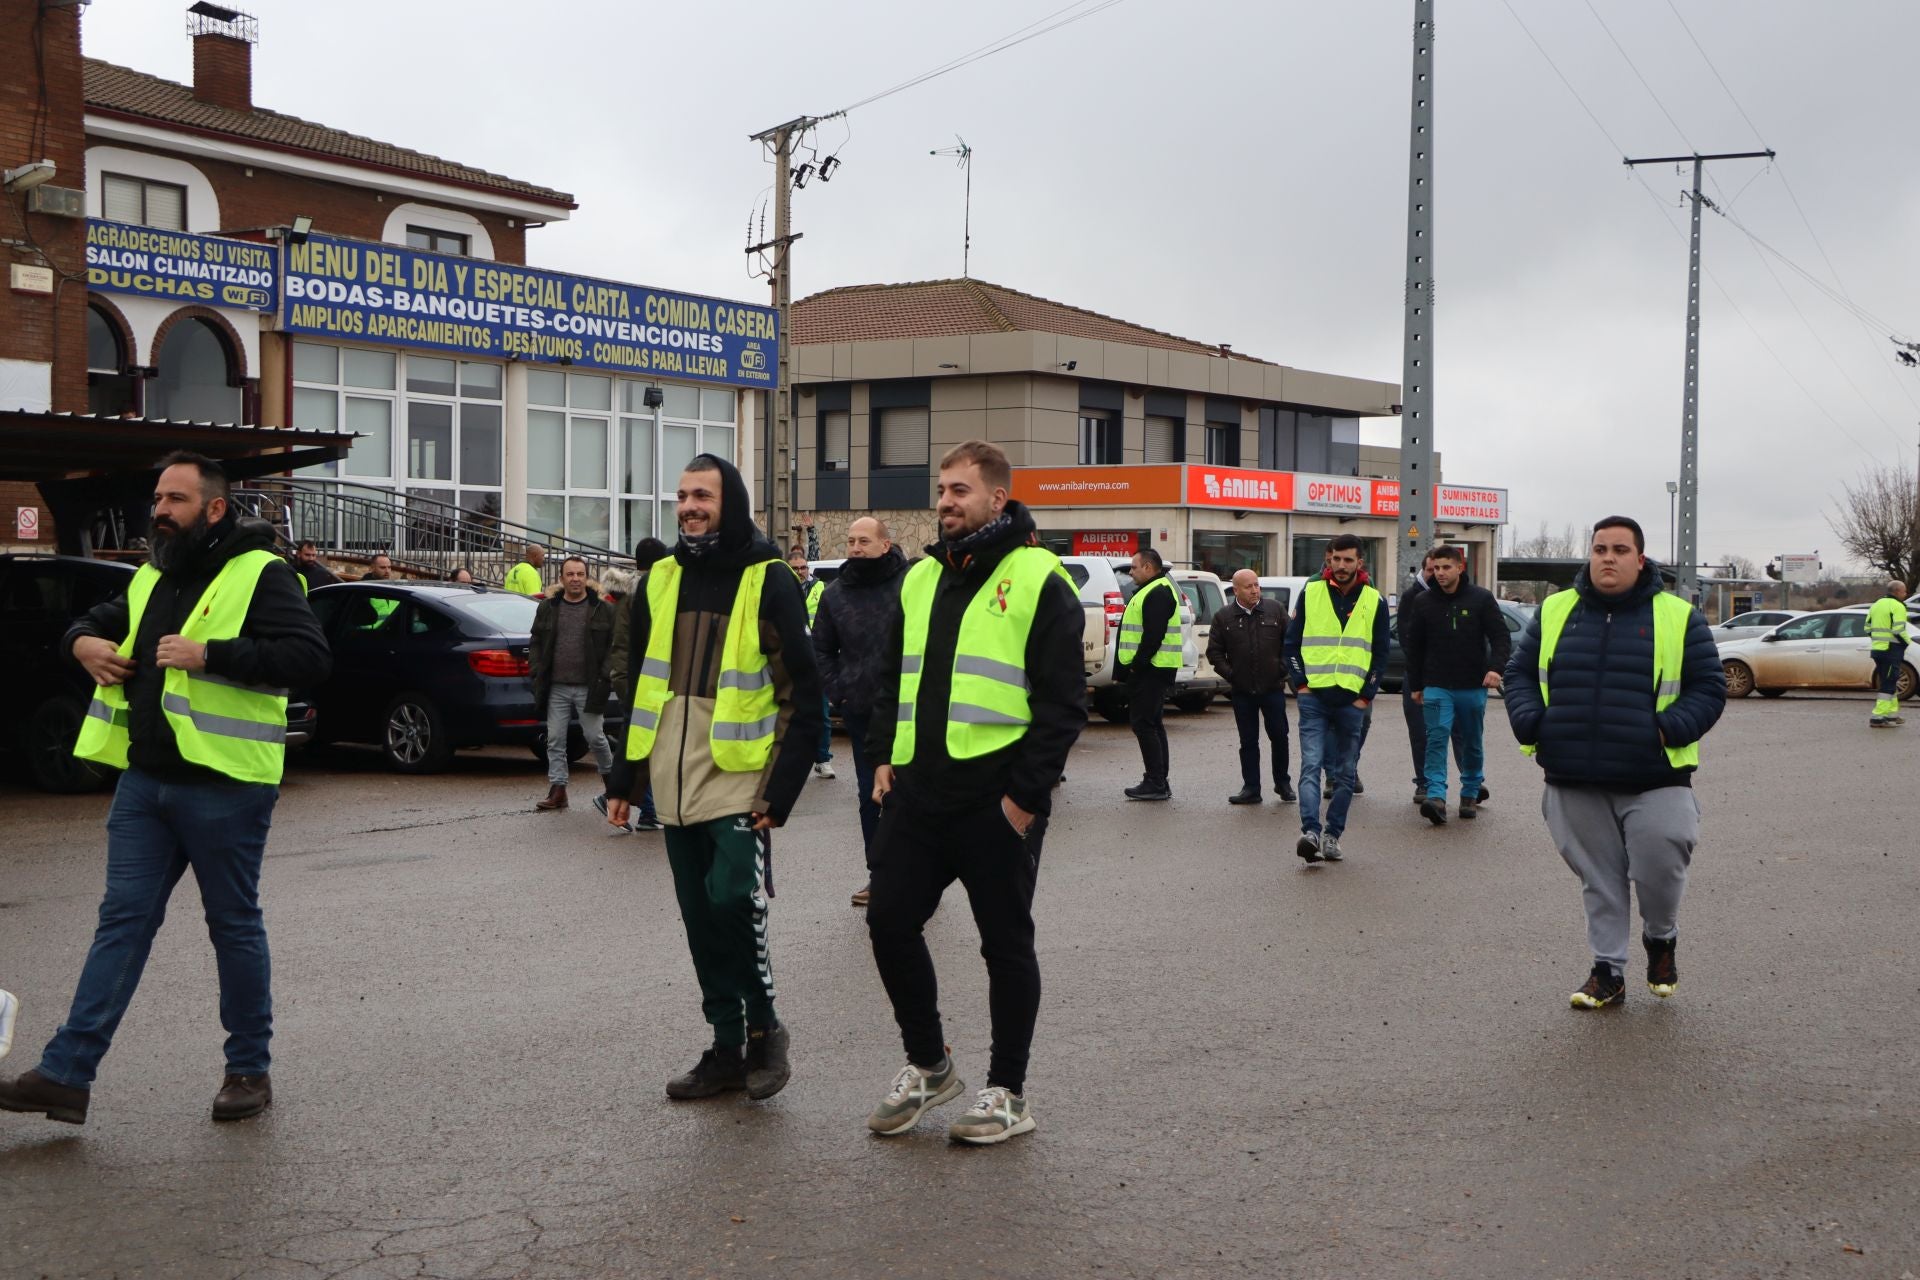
(241, 1097)
(556, 798)
(33, 1093)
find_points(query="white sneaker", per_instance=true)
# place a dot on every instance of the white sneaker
(9, 1014)
(996, 1115)
(824, 770)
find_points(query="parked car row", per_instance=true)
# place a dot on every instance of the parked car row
(1828, 650)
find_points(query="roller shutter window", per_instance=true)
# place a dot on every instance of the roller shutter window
(903, 438)
(153, 204)
(835, 426)
(1163, 440)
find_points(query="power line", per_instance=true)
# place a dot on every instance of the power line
(1631, 66)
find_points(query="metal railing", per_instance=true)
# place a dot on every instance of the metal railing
(423, 535)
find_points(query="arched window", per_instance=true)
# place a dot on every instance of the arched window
(196, 376)
(110, 388)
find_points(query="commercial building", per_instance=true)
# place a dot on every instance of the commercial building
(1121, 436)
(195, 256)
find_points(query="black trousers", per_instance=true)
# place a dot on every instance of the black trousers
(1146, 711)
(916, 856)
(1249, 709)
(1416, 733)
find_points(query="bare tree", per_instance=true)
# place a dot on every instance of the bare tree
(1875, 520)
(1739, 567)
(1569, 543)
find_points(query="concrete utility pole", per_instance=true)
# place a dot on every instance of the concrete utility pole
(1688, 569)
(1416, 360)
(782, 139)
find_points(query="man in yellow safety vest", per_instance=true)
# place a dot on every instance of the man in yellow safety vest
(981, 697)
(1152, 638)
(1611, 689)
(724, 707)
(1887, 625)
(524, 578)
(192, 668)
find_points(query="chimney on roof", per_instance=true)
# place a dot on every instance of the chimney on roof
(1226, 349)
(223, 41)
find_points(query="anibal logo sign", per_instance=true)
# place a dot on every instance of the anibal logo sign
(1248, 488)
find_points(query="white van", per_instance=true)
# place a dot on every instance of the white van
(1283, 591)
(1205, 595)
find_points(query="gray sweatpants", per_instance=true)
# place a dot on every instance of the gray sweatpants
(1613, 838)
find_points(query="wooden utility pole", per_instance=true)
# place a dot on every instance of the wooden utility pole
(780, 469)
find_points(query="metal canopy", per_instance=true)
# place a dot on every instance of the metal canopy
(62, 446)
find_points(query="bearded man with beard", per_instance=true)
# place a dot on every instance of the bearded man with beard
(192, 667)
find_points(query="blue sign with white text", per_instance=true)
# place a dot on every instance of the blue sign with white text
(365, 292)
(147, 262)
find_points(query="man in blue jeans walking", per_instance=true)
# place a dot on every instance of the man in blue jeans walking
(192, 668)
(1456, 644)
(1336, 651)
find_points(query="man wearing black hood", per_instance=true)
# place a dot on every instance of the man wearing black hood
(983, 696)
(725, 709)
(192, 667)
(851, 632)
(1611, 689)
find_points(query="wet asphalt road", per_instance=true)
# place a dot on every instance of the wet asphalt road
(1243, 1067)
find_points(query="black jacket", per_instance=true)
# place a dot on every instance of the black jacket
(316, 574)
(1453, 640)
(708, 584)
(1342, 609)
(1600, 728)
(1249, 650)
(1056, 698)
(280, 644)
(852, 627)
(1155, 616)
(546, 626)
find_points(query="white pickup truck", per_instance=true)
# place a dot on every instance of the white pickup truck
(1105, 587)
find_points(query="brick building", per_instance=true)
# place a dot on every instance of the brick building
(197, 256)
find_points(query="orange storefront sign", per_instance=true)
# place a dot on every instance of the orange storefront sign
(1141, 486)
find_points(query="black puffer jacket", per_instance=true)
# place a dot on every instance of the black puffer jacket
(1452, 639)
(1600, 728)
(854, 626)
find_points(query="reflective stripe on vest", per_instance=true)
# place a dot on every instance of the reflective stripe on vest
(745, 708)
(235, 729)
(1670, 617)
(1887, 623)
(987, 706)
(1337, 657)
(1133, 627)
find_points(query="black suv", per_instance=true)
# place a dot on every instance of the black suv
(40, 596)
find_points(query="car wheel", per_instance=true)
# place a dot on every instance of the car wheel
(1111, 706)
(1193, 703)
(51, 732)
(1739, 678)
(1770, 693)
(1909, 682)
(413, 737)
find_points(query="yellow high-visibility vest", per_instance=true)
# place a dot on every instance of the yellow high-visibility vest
(1670, 616)
(1887, 623)
(745, 709)
(987, 706)
(814, 593)
(1337, 657)
(236, 729)
(1133, 627)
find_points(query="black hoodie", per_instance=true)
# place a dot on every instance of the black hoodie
(853, 626)
(709, 580)
(1057, 696)
(280, 644)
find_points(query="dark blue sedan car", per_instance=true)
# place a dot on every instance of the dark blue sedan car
(422, 669)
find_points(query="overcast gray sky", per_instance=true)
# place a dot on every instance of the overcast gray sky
(1235, 171)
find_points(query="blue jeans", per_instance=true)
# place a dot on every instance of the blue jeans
(1330, 741)
(564, 702)
(824, 752)
(155, 831)
(863, 777)
(1459, 716)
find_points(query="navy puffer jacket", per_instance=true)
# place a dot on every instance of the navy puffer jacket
(1600, 728)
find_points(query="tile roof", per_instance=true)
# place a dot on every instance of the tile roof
(126, 92)
(955, 308)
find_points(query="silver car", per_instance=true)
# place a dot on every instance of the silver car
(1756, 622)
(1828, 650)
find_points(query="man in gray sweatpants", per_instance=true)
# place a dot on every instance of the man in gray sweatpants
(1611, 690)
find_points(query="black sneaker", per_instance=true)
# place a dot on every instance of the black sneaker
(1284, 789)
(1434, 811)
(720, 1070)
(1245, 795)
(1663, 973)
(1484, 796)
(1419, 794)
(1309, 846)
(767, 1067)
(1604, 987)
(1469, 808)
(1150, 791)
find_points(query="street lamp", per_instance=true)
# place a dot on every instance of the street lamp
(1673, 498)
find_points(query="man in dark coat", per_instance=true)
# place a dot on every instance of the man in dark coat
(1456, 643)
(851, 633)
(1616, 729)
(1247, 646)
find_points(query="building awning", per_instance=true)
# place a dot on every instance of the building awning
(42, 447)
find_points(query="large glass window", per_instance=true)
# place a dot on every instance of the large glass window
(110, 387)
(197, 376)
(569, 455)
(1099, 438)
(1225, 553)
(1223, 444)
